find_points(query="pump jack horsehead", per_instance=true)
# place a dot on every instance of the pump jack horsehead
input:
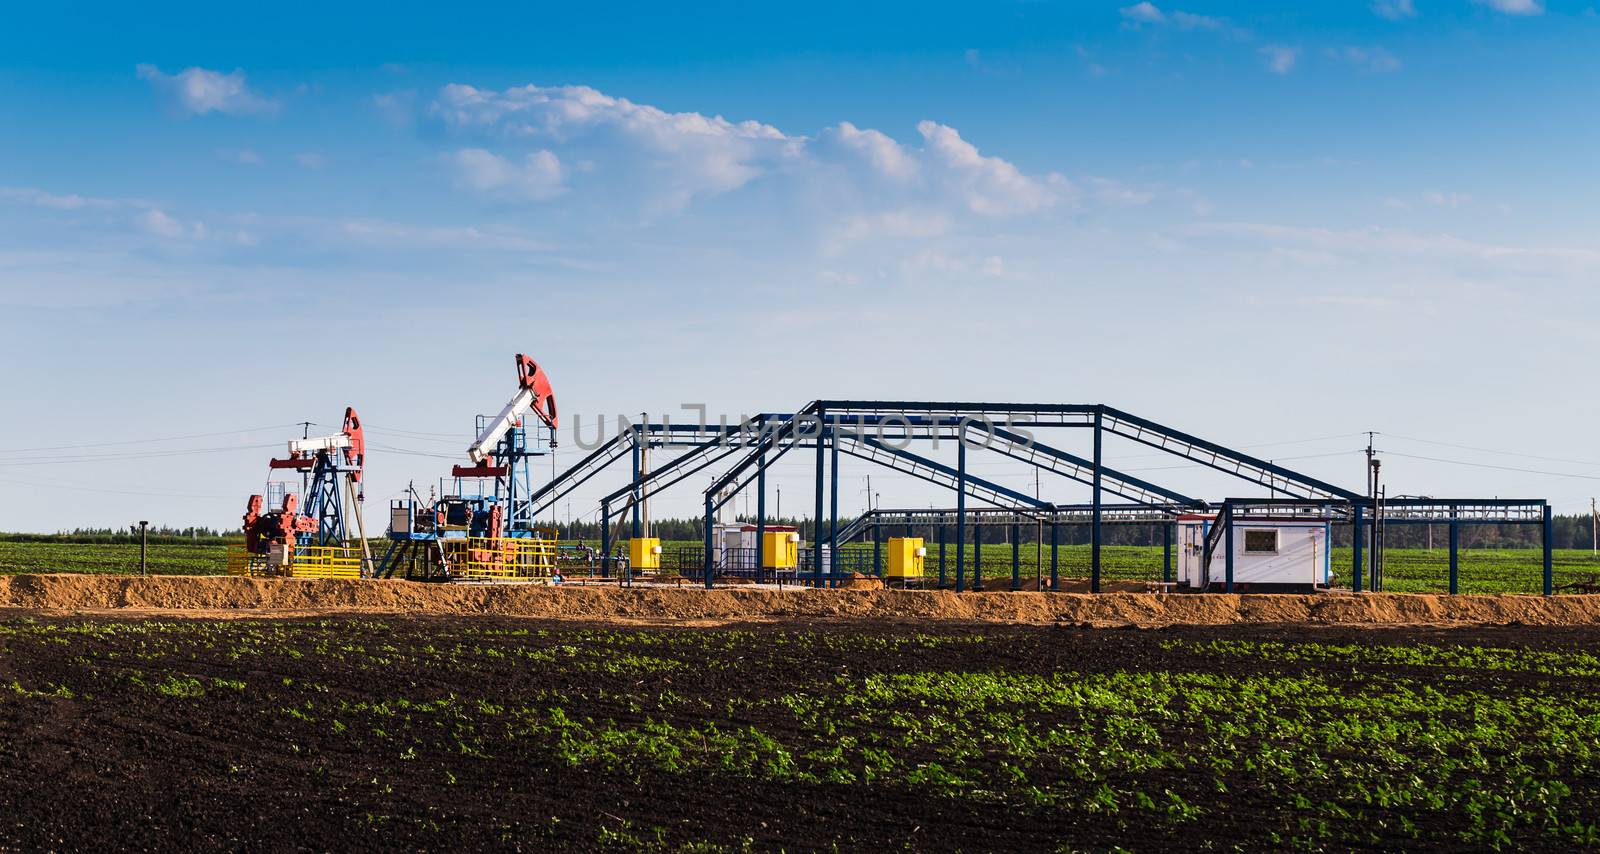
(534, 394)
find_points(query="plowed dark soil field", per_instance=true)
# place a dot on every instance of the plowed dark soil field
(488, 733)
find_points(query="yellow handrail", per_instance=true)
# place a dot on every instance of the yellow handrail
(499, 557)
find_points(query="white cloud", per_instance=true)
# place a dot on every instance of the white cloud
(242, 156)
(311, 159)
(1381, 243)
(1394, 10)
(1373, 59)
(1279, 58)
(55, 201)
(197, 91)
(1434, 198)
(158, 223)
(1148, 13)
(885, 155)
(1514, 7)
(911, 224)
(1144, 13)
(1196, 22)
(935, 262)
(671, 159)
(384, 233)
(537, 177)
(1447, 200)
(989, 185)
(690, 154)
(1117, 194)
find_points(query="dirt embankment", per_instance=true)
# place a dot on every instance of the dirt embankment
(261, 597)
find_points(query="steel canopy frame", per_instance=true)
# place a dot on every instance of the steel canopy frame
(938, 416)
(833, 427)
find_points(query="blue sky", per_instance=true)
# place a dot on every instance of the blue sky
(1262, 225)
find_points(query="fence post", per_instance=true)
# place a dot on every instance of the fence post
(144, 544)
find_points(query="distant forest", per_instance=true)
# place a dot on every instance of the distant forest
(1571, 532)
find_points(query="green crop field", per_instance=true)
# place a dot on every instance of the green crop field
(110, 558)
(416, 733)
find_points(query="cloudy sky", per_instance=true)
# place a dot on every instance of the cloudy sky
(1274, 227)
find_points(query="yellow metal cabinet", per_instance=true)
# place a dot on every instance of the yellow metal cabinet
(781, 550)
(905, 558)
(644, 553)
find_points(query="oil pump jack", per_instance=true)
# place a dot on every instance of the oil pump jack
(488, 503)
(327, 464)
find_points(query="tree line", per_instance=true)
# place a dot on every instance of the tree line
(1568, 532)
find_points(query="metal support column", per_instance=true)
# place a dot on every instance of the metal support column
(1055, 555)
(1094, 534)
(605, 540)
(1357, 567)
(1455, 553)
(638, 509)
(1166, 552)
(710, 511)
(877, 550)
(1227, 536)
(1016, 557)
(833, 515)
(1549, 565)
(961, 508)
(761, 515)
(944, 531)
(816, 520)
(977, 559)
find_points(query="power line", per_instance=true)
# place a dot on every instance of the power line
(76, 488)
(141, 455)
(1491, 451)
(410, 452)
(149, 441)
(1492, 466)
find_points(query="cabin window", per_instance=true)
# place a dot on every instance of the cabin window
(1261, 542)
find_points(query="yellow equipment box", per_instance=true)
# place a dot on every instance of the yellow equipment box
(644, 553)
(781, 550)
(905, 557)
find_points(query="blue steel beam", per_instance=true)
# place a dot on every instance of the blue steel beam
(1024, 449)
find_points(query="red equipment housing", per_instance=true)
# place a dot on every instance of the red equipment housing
(274, 527)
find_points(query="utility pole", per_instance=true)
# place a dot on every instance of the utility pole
(144, 545)
(305, 485)
(1373, 465)
(1594, 531)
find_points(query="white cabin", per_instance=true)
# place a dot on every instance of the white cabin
(1280, 553)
